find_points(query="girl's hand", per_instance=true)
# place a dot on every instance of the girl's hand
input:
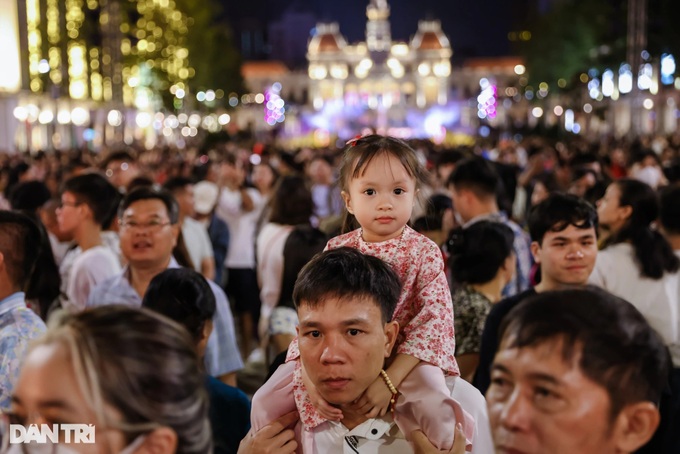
(375, 401)
(423, 446)
(325, 409)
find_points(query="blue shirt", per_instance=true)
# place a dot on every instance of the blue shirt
(219, 237)
(18, 326)
(229, 415)
(522, 248)
(221, 354)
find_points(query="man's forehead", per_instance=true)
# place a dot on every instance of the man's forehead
(336, 310)
(146, 207)
(570, 231)
(547, 352)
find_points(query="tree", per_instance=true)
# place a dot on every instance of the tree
(568, 40)
(212, 53)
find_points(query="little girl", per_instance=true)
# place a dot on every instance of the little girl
(380, 177)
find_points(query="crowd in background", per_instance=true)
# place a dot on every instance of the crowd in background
(249, 216)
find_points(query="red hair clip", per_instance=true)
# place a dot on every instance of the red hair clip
(353, 141)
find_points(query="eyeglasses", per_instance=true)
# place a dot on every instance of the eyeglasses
(152, 226)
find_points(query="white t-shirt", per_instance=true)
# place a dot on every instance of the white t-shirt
(197, 242)
(241, 225)
(59, 249)
(110, 240)
(270, 243)
(89, 269)
(657, 299)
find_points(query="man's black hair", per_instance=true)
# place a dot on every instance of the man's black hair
(614, 345)
(558, 212)
(345, 273)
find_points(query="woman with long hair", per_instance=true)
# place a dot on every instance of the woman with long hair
(637, 263)
(284, 245)
(131, 373)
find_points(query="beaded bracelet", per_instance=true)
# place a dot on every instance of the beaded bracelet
(391, 387)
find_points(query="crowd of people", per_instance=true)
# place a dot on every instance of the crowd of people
(512, 296)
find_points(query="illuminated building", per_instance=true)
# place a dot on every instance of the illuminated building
(85, 66)
(379, 72)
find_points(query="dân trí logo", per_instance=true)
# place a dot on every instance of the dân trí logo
(51, 433)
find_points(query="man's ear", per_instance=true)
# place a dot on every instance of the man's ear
(535, 248)
(160, 441)
(508, 265)
(391, 332)
(635, 425)
(87, 210)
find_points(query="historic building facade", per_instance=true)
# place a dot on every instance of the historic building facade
(379, 72)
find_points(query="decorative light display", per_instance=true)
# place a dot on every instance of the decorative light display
(625, 79)
(487, 100)
(645, 77)
(608, 83)
(274, 106)
(667, 69)
(34, 44)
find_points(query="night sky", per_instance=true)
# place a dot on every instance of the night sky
(475, 28)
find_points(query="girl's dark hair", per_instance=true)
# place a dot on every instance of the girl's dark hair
(548, 180)
(360, 152)
(478, 251)
(181, 252)
(184, 296)
(653, 253)
(291, 202)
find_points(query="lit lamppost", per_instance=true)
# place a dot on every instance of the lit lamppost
(635, 44)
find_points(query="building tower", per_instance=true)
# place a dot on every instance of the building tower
(378, 37)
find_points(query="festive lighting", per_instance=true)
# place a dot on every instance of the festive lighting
(608, 83)
(80, 116)
(645, 77)
(64, 117)
(45, 117)
(667, 69)
(115, 118)
(487, 102)
(274, 110)
(625, 79)
(20, 113)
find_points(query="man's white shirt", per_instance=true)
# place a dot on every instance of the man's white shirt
(375, 436)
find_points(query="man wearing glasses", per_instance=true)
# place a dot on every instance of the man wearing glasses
(148, 233)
